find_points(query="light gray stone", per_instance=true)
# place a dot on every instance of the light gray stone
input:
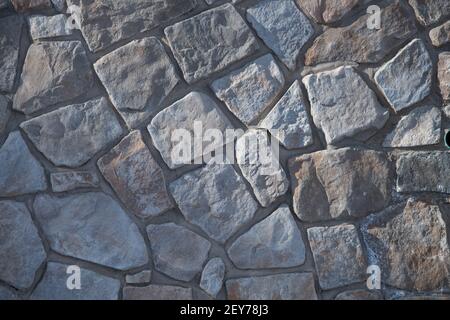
(72, 135)
(444, 74)
(430, 11)
(440, 35)
(5, 113)
(93, 227)
(10, 35)
(70, 180)
(212, 277)
(157, 292)
(329, 11)
(447, 111)
(139, 278)
(48, 26)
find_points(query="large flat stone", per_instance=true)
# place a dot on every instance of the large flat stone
(328, 11)
(440, 35)
(10, 35)
(430, 11)
(444, 74)
(157, 292)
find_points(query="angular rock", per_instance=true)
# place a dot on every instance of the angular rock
(358, 43)
(447, 111)
(283, 27)
(5, 113)
(54, 72)
(72, 135)
(138, 278)
(216, 199)
(20, 172)
(292, 286)
(94, 286)
(10, 35)
(430, 11)
(338, 255)
(444, 75)
(177, 251)
(338, 183)
(210, 41)
(136, 177)
(288, 121)
(342, 104)
(248, 91)
(406, 79)
(5, 293)
(72, 180)
(440, 35)
(93, 227)
(212, 277)
(275, 242)
(22, 6)
(157, 292)
(328, 11)
(359, 295)
(137, 77)
(48, 26)
(21, 247)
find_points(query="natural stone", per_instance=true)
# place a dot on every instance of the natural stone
(48, 26)
(4, 4)
(444, 74)
(210, 41)
(138, 278)
(430, 11)
(93, 227)
(440, 35)
(59, 5)
(212, 276)
(157, 292)
(5, 113)
(5, 293)
(22, 6)
(359, 295)
(328, 11)
(70, 180)
(447, 111)
(10, 35)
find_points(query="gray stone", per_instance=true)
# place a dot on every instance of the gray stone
(23, 6)
(54, 72)
(10, 35)
(70, 180)
(440, 35)
(359, 295)
(157, 292)
(248, 91)
(430, 11)
(342, 104)
(328, 11)
(4, 4)
(59, 5)
(292, 286)
(212, 277)
(93, 227)
(138, 278)
(210, 41)
(444, 74)
(406, 79)
(447, 111)
(177, 251)
(21, 248)
(5, 113)
(288, 121)
(283, 27)
(338, 255)
(138, 77)
(275, 242)
(136, 177)
(72, 135)
(216, 199)
(5, 293)
(94, 286)
(48, 26)
(20, 172)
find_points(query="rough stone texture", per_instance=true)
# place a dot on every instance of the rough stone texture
(444, 74)
(157, 292)
(64, 73)
(92, 227)
(21, 248)
(337, 255)
(430, 11)
(212, 276)
(359, 295)
(406, 79)
(328, 11)
(136, 177)
(5, 113)
(10, 35)
(72, 135)
(210, 41)
(342, 104)
(30, 5)
(71, 180)
(425, 171)
(5, 293)
(292, 286)
(216, 199)
(138, 77)
(447, 111)
(440, 35)
(358, 43)
(248, 91)
(138, 278)
(275, 242)
(48, 26)
(94, 286)
(20, 172)
(282, 26)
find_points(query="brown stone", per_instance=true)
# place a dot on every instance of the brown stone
(30, 5)
(328, 11)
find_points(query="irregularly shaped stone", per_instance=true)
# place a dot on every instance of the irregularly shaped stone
(140, 277)
(20, 172)
(444, 74)
(5, 113)
(31, 5)
(214, 198)
(70, 180)
(359, 295)
(210, 41)
(337, 183)
(5, 293)
(93, 227)
(10, 35)
(430, 11)
(48, 26)
(177, 251)
(292, 286)
(337, 255)
(440, 35)
(425, 171)
(72, 135)
(212, 276)
(59, 5)
(288, 121)
(196, 110)
(136, 177)
(406, 79)
(21, 248)
(283, 27)
(275, 242)
(138, 77)
(447, 111)
(361, 44)
(342, 104)
(94, 286)
(328, 11)
(248, 91)
(157, 292)
(64, 73)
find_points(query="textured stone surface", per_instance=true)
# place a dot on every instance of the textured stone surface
(282, 26)
(157, 292)
(406, 79)
(5, 113)
(212, 276)
(48, 26)
(210, 41)
(64, 73)
(337, 255)
(328, 11)
(292, 286)
(72, 135)
(216, 199)
(359, 295)
(30, 5)
(275, 242)
(21, 248)
(430, 11)
(92, 227)
(447, 111)
(444, 74)
(138, 278)
(10, 35)
(342, 104)
(70, 180)
(5, 293)
(440, 35)
(136, 177)
(248, 91)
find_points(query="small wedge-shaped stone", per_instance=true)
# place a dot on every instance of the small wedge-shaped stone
(430, 11)
(10, 35)
(48, 26)
(212, 276)
(71, 180)
(328, 11)
(5, 113)
(138, 278)
(157, 292)
(440, 35)
(444, 75)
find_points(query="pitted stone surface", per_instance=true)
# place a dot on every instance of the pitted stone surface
(10, 35)
(71, 180)
(212, 276)
(444, 74)
(430, 11)
(42, 27)
(440, 35)
(328, 11)
(157, 292)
